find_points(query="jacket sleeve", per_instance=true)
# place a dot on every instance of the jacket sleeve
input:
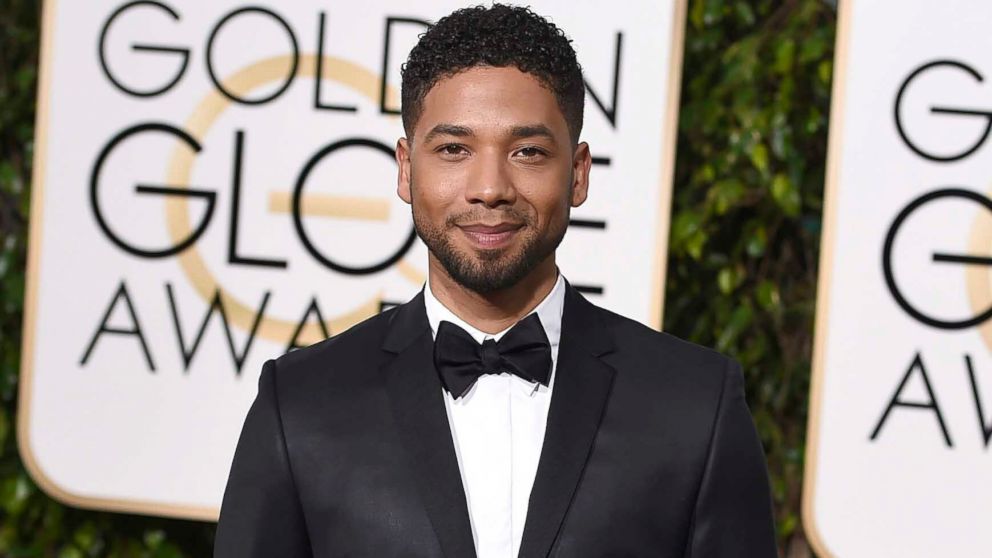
(260, 514)
(733, 513)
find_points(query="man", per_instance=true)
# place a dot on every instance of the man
(498, 413)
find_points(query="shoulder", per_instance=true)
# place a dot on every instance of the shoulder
(631, 335)
(664, 379)
(652, 357)
(351, 351)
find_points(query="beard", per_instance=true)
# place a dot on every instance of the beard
(488, 270)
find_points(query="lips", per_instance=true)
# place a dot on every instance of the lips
(491, 229)
(491, 236)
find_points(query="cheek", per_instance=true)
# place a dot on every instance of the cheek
(549, 199)
(433, 194)
(428, 184)
(435, 197)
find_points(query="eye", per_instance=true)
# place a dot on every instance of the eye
(531, 153)
(452, 150)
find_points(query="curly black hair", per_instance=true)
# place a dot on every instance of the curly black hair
(499, 36)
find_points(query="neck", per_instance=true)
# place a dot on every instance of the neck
(495, 311)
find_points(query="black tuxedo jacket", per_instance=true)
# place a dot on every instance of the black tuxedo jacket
(649, 451)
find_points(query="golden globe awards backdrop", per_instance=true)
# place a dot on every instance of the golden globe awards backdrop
(898, 458)
(215, 186)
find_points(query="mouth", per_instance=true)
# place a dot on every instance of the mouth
(491, 236)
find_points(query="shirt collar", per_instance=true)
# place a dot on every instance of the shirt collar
(549, 310)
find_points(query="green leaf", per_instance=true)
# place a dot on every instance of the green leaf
(759, 157)
(725, 194)
(726, 280)
(695, 244)
(756, 241)
(824, 71)
(729, 278)
(684, 226)
(768, 296)
(745, 13)
(739, 320)
(784, 54)
(785, 194)
(814, 47)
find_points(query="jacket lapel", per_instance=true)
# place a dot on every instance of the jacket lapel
(418, 407)
(581, 387)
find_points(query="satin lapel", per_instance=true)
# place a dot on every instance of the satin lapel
(418, 407)
(581, 387)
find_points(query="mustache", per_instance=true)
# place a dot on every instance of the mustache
(508, 215)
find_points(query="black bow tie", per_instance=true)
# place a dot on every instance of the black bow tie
(460, 360)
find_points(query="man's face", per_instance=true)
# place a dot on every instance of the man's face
(491, 175)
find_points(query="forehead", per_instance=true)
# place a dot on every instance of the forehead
(487, 99)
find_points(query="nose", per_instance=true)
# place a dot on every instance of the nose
(490, 181)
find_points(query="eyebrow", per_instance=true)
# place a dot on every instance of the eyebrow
(525, 131)
(448, 130)
(531, 130)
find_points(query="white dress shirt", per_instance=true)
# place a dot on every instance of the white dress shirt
(498, 430)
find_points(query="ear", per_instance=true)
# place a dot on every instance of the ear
(581, 163)
(403, 172)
